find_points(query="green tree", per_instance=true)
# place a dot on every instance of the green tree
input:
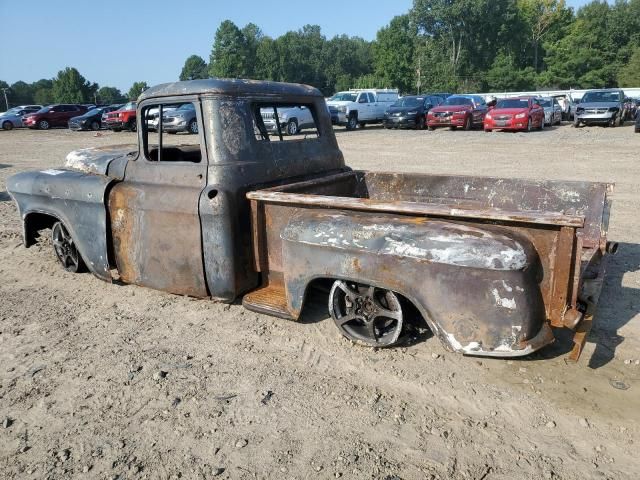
(110, 95)
(71, 87)
(136, 89)
(504, 75)
(393, 51)
(20, 93)
(267, 65)
(194, 68)
(629, 75)
(229, 55)
(252, 38)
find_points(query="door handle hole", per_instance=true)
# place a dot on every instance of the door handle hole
(212, 194)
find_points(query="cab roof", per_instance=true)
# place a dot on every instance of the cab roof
(233, 87)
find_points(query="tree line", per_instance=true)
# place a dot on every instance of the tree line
(438, 45)
(69, 86)
(444, 45)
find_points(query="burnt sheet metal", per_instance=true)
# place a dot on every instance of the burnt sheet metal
(97, 160)
(76, 199)
(475, 287)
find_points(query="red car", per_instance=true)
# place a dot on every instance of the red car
(122, 119)
(466, 111)
(522, 113)
(53, 116)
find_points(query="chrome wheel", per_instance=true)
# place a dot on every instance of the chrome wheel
(43, 125)
(193, 126)
(65, 249)
(352, 123)
(366, 314)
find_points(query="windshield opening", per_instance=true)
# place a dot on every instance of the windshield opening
(600, 97)
(458, 101)
(513, 103)
(344, 97)
(94, 111)
(408, 102)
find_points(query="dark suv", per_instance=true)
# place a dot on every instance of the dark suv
(53, 116)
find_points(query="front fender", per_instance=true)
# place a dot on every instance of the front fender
(477, 288)
(75, 198)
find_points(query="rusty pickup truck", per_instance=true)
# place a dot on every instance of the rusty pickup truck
(492, 265)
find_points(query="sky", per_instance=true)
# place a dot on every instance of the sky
(117, 42)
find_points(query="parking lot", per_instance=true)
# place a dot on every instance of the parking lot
(250, 396)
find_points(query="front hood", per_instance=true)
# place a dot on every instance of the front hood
(508, 111)
(97, 160)
(340, 103)
(450, 108)
(598, 105)
(402, 109)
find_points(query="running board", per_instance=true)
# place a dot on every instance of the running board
(269, 300)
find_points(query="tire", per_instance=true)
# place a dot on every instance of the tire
(44, 125)
(291, 128)
(488, 130)
(452, 128)
(352, 123)
(431, 129)
(7, 125)
(420, 123)
(542, 125)
(65, 249)
(131, 126)
(193, 127)
(468, 123)
(95, 125)
(116, 129)
(529, 124)
(366, 314)
(576, 122)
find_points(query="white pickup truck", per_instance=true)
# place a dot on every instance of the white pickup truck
(360, 107)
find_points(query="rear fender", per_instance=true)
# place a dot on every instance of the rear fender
(477, 289)
(72, 197)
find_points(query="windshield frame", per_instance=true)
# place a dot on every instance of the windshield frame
(454, 101)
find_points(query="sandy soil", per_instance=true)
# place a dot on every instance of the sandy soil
(110, 381)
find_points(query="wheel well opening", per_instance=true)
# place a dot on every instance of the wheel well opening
(34, 223)
(316, 308)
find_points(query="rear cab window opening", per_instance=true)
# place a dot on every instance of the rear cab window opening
(170, 132)
(284, 121)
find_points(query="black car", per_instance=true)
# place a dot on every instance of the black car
(92, 120)
(410, 111)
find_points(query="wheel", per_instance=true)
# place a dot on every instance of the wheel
(95, 125)
(116, 129)
(352, 123)
(529, 123)
(193, 126)
(420, 124)
(541, 126)
(576, 122)
(366, 314)
(7, 125)
(291, 128)
(452, 128)
(65, 249)
(488, 130)
(131, 126)
(468, 123)
(43, 125)
(431, 129)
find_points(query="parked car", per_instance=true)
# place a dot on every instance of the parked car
(232, 217)
(12, 118)
(123, 118)
(362, 107)
(152, 115)
(292, 119)
(603, 107)
(519, 113)
(410, 111)
(552, 110)
(466, 111)
(637, 127)
(92, 120)
(53, 116)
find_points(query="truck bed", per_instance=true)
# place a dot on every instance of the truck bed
(565, 222)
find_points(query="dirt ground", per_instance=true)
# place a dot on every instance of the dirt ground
(116, 382)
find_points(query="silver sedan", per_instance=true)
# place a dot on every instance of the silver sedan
(12, 118)
(552, 110)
